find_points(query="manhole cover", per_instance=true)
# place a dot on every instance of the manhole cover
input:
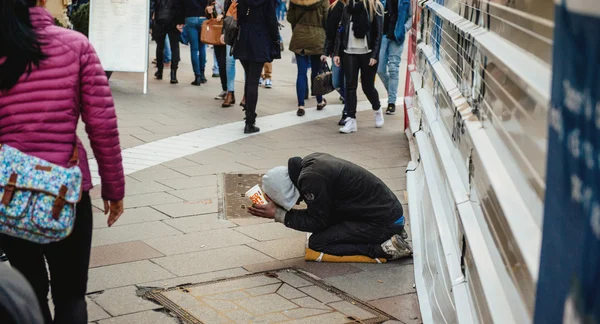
(236, 186)
(269, 297)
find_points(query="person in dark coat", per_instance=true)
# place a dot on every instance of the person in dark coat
(349, 210)
(334, 18)
(256, 44)
(168, 19)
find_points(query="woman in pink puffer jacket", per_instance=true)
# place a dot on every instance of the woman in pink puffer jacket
(49, 77)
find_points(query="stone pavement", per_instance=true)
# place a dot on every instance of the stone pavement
(174, 230)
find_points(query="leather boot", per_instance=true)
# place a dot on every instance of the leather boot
(229, 100)
(203, 77)
(174, 76)
(251, 128)
(197, 80)
(159, 74)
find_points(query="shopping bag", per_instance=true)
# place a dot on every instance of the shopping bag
(322, 84)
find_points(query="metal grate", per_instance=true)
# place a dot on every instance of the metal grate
(236, 186)
(160, 297)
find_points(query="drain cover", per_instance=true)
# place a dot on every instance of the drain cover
(270, 297)
(236, 186)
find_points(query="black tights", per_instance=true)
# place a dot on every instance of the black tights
(253, 71)
(353, 63)
(68, 261)
(159, 32)
(221, 54)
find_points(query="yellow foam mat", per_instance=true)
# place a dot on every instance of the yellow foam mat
(312, 255)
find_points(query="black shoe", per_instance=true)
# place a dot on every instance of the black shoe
(216, 75)
(342, 100)
(391, 109)
(203, 78)
(158, 75)
(342, 121)
(197, 81)
(174, 76)
(249, 129)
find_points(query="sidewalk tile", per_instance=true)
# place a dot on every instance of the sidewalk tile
(291, 279)
(194, 194)
(405, 307)
(143, 200)
(95, 313)
(190, 182)
(348, 309)
(179, 163)
(121, 253)
(366, 286)
(199, 223)
(190, 208)
(266, 266)
(303, 312)
(269, 231)
(283, 249)
(266, 304)
(264, 290)
(266, 163)
(211, 260)
(332, 318)
(200, 241)
(125, 274)
(225, 167)
(320, 294)
(133, 232)
(287, 291)
(156, 173)
(251, 221)
(194, 279)
(144, 187)
(130, 216)
(216, 290)
(147, 317)
(221, 305)
(121, 301)
(322, 269)
(309, 302)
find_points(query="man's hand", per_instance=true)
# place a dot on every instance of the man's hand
(336, 61)
(264, 211)
(116, 210)
(372, 62)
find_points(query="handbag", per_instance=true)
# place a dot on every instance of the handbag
(322, 84)
(211, 32)
(38, 198)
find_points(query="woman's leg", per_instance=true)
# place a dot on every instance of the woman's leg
(367, 78)
(68, 261)
(230, 61)
(167, 50)
(192, 32)
(316, 69)
(302, 62)
(351, 67)
(174, 42)
(252, 75)
(221, 56)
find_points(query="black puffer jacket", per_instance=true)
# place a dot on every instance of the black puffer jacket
(373, 38)
(334, 18)
(336, 191)
(168, 12)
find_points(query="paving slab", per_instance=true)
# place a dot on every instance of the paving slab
(211, 260)
(303, 312)
(125, 274)
(156, 173)
(149, 199)
(121, 253)
(147, 317)
(366, 286)
(290, 292)
(282, 249)
(405, 307)
(266, 266)
(199, 278)
(322, 269)
(133, 232)
(354, 311)
(122, 301)
(200, 241)
(269, 231)
(130, 216)
(251, 221)
(190, 208)
(271, 303)
(95, 312)
(190, 182)
(194, 194)
(320, 319)
(320, 294)
(200, 223)
(143, 187)
(225, 167)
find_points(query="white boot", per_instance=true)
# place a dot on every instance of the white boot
(379, 120)
(350, 126)
(396, 248)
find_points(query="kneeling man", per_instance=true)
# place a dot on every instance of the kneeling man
(350, 211)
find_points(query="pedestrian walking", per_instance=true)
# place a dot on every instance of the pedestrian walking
(229, 63)
(257, 43)
(397, 21)
(358, 47)
(217, 10)
(308, 20)
(334, 18)
(267, 75)
(167, 20)
(194, 12)
(49, 78)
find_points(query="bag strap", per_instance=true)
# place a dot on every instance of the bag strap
(74, 160)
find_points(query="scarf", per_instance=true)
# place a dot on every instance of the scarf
(361, 24)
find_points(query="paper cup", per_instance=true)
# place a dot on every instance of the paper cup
(256, 195)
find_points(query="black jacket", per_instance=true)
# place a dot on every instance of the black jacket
(334, 18)
(337, 191)
(373, 38)
(168, 12)
(258, 37)
(194, 8)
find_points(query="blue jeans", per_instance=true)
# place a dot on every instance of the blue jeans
(339, 81)
(215, 65)
(193, 26)
(230, 64)
(389, 66)
(281, 10)
(167, 50)
(303, 62)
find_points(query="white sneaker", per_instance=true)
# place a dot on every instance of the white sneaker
(260, 81)
(379, 120)
(268, 84)
(350, 126)
(396, 248)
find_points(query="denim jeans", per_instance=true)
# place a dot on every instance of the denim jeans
(304, 62)
(215, 68)
(339, 81)
(230, 67)
(389, 67)
(193, 27)
(167, 50)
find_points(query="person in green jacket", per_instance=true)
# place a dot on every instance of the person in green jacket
(308, 19)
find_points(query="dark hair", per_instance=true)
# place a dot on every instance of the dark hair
(19, 44)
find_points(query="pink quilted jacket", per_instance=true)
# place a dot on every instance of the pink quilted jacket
(39, 115)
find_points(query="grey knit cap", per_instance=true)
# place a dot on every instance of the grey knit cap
(279, 187)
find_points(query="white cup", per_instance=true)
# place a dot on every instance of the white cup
(256, 195)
